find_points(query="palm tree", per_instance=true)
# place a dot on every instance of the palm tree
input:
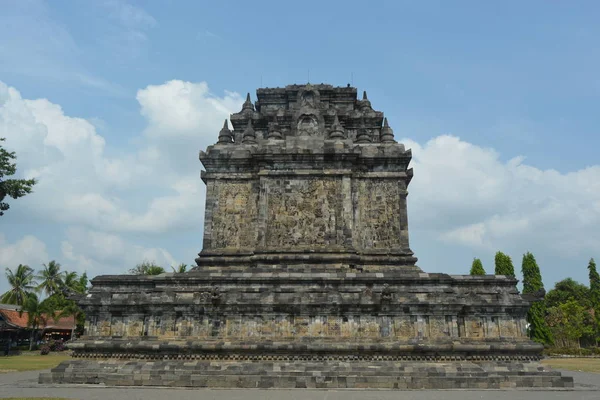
(51, 278)
(72, 282)
(181, 268)
(37, 315)
(147, 268)
(71, 309)
(83, 282)
(155, 270)
(22, 282)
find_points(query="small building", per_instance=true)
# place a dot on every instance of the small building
(13, 326)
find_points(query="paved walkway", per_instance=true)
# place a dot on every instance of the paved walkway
(24, 384)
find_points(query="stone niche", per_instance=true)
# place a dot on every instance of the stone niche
(306, 277)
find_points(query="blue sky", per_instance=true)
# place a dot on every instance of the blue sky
(108, 103)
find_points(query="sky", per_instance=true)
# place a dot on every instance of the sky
(107, 103)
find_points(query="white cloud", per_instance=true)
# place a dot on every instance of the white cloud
(153, 189)
(28, 251)
(467, 196)
(100, 253)
(130, 15)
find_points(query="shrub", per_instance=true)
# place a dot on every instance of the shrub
(59, 346)
(45, 350)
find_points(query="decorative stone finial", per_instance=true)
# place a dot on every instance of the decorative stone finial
(363, 136)
(225, 136)
(365, 104)
(337, 131)
(387, 134)
(248, 103)
(274, 131)
(249, 136)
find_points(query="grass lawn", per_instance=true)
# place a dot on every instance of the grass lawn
(31, 361)
(574, 364)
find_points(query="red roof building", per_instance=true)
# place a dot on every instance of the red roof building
(13, 323)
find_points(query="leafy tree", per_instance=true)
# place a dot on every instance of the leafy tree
(37, 315)
(503, 265)
(568, 323)
(69, 309)
(147, 268)
(51, 279)
(22, 283)
(567, 290)
(594, 284)
(532, 283)
(595, 297)
(181, 268)
(14, 188)
(477, 267)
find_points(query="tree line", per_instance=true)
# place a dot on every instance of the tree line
(568, 316)
(27, 287)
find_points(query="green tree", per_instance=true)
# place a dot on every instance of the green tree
(503, 265)
(37, 315)
(567, 322)
(72, 282)
(594, 284)
(536, 316)
(14, 188)
(477, 267)
(51, 279)
(567, 290)
(181, 268)
(22, 283)
(147, 268)
(70, 308)
(595, 297)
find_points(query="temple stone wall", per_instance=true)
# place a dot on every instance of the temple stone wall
(281, 327)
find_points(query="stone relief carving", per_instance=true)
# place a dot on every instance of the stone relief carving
(379, 214)
(304, 212)
(234, 216)
(308, 125)
(386, 294)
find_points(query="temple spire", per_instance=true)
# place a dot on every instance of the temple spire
(365, 104)
(225, 136)
(337, 131)
(249, 136)
(248, 103)
(274, 131)
(363, 135)
(387, 134)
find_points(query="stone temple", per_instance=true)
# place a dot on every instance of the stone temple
(306, 277)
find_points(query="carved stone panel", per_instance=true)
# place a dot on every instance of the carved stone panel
(404, 327)
(438, 326)
(304, 212)
(234, 215)
(378, 214)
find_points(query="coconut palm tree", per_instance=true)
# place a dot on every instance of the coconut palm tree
(71, 309)
(51, 279)
(22, 282)
(72, 282)
(155, 270)
(37, 315)
(181, 268)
